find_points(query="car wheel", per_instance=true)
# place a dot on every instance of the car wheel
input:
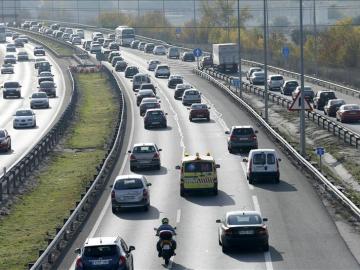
(146, 208)
(182, 192)
(208, 119)
(190, 118)
(34, 124)
(114, 210)
(230, 150)
(158, 167)
(224, 248)
(4, 96)
(215, 191)
(132, 168)
(265, 247)
(9, 148)
(145, 127)
(251, 179)
(277, 180)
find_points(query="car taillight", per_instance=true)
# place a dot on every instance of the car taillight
(79, 263)
(262, 230)
(156, 156)
(132, 157)
(253, 137)
(277, 165)
(228, 232)
(113, 194)
(122, 260)
(232, 138)
(145, 193)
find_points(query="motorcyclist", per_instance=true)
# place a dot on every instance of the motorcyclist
(165, 226)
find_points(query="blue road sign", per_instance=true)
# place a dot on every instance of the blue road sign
(178, 30)
(285, 52)
(236, 82)
(320, 151)
(197, 52)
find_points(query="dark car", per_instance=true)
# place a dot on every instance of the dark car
(7, 69)
(322, 97)
(332, 106)
(134, 44)
(116, 59)
(144, 94)
(120, 66)
(155, 118)
(112, 55)
(243, 229)
(5, 141)
(242, 137)
(308, 93)
(188, 57)
(113, 46)
(10, 59)
(104, 253)
(48, 87)
(147, 104)
(45, 76)
(199, 111)
(149, 47)
(43, 66)
(180, 89)
(130, 71)
(22, 56)
(11, 89)
(39, 51)
(288, 87)
(206, 62)
(19, 43)
(175, 80)
(348, 113)
(145, 86)
(15, 36)
(10, 48)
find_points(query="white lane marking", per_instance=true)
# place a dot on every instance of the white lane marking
(251, 187)
(178, 216)
(267, 254)
(217, 114)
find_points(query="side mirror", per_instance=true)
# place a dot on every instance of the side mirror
(77, 251)
(131, 80)
(209, 108)
(227, 132)
(256, 131)
(218, 221)
(148, 184)
(217, 166)
(29, 97)
(188, 108)
(177, 167)
(245, 160)
(265, 219)
(111, 186)
(131, 248)
(129, 151)
(279, 159)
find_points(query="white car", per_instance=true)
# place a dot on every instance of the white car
(191, 96)
(39, 100)
(76, 40)
(159, 50)
(152, 64)
(24, 118)
(275, 82)
(80, 32)
(162, 71)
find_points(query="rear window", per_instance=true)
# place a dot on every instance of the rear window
(39, 95)
(292, 84)
(198, 107)
(156, 113)
(144, 149)
(243, 131)
(262, 159)
(328, 95)
(192, 93)
(198, 166)
(46, 84)
(101, 251)
(277, 78)
(128, 184)
(244, 219)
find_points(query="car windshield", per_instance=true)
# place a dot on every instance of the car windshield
(7, 65)
(45, 74)
(11, 85)
(100, 251)
(191, 93)
(39, 95)
(155, 113)
(177, 80)
(292, 84)
(351, 107)
(128, 184)
(144, 149)
(243, 131)
(24, 113)
(336, 101)
(198, 106)
(198, 166)
(2, 134)
(277, 78)
(147, 86)
(163, 67)
(240, 219)
(10, 56)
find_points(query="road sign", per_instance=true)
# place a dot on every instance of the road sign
(320, 151)
(197, 52)
(285, 52)
(178, 30)
(296, 105)
(236, 82)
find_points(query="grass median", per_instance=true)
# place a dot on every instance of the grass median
(38, 212)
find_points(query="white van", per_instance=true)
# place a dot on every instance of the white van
(262, 164)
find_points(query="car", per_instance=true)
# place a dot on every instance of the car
(107, 42)
(199, 111)
(251, 71)
(39, 100)
(80, 33)
(95, 48)
(139, 79)
(8, 33)
(113, 46)
(5, 141)
(100, 40)
(59, 34)
(155, 118)
(37, 61)
(49, 32)
(24, 38)
(130, 191)
(134, 44)
(87, 45)
(241, 137)
(148, 103)
(14, 36)
(39, 51)
(116, 59)
(34, 28)
(105, 53)
(43, 66)
(111, 36)
(205, 62)
(73, 35)
(333, 106)
(243, 229)
(188, 57)
(7, 69)
(152, 64)
(145, 155)
(112, 55)
(348, 113)
(173, 52)
(162, 70)
(12, 89)
(65, 37)
(191, 96)
(19, 43)
(308, 93)
(149, 47)
(144, 94)
(45, 76)
(257, 78)
(145, 86)
(10, 59)
(275, 82)
(141, 46)
(10, 48)
(262, 164)
(69, 30)
(76, 41)
(48, 87)
(54, 26)
(22, 56)
(104, 253)
(130, 71)
(174, 80)
(180, 89)
(288, 87)
(322, 97)
(120, 66)
(24, 118)
(159, 50)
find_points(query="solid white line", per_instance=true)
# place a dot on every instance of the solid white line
(178, 216)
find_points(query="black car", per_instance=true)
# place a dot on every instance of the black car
(43, 66)
(143, 94)
(149, 47)
(10, 59)
(48, 87)
(155, 118)
(180, 89)
(174, 81)
(188, 57)
(130, 71)
(113, 46)
(288, 87)
(145, 86)
(120, 66)
(5, 141)
(19, 43)
(243, 229)
(322, 97)
(45, 76)
(206, 62)
(11, 89)
(116, 59)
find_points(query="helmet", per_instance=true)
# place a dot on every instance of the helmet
(165, 221)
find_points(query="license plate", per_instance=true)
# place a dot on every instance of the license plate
(242, 139)
(100, 262)
(246, 232)
(166, 247)
(145, 161)
(352, 113)
(127, 198)
(156, 123)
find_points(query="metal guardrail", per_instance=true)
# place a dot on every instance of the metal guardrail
(18, 173)
(338, 130)
(72, 224)
(301, 160)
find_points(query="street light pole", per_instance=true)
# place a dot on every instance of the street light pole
(239, 47)
(315, 37)
(302, 99)
(265, 61)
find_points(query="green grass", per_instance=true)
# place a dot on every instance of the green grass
(60, 183)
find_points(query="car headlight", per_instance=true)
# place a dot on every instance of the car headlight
(30, 120)
(16, 120)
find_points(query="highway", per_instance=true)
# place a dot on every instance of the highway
(302, 233)
(25, 73)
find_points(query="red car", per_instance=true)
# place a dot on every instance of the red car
(199, 111)
(5, 140)
(348, 113)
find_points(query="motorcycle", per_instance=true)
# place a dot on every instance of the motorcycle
(166, 244)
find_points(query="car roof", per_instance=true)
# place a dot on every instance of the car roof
(246, 212)
(145, 91)
(275, 75)
(236, 127)
(162, 65)
(190, 90)
(326, 91)
(129, 176)
(141, 75)
(197, 156)
(256, 151)
(154, 110)
(150, 100)
(100, 241)
(143, 144)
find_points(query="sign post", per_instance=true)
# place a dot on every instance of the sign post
(285, 52)
(320, 151)
(178, 32)
(197, 53)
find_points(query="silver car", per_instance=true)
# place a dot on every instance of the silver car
(257, 77)
(148, 103)
(24, 118)
(152, 64)
(145, 155)
(39, 100)
(130, 191)
(191, 96)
